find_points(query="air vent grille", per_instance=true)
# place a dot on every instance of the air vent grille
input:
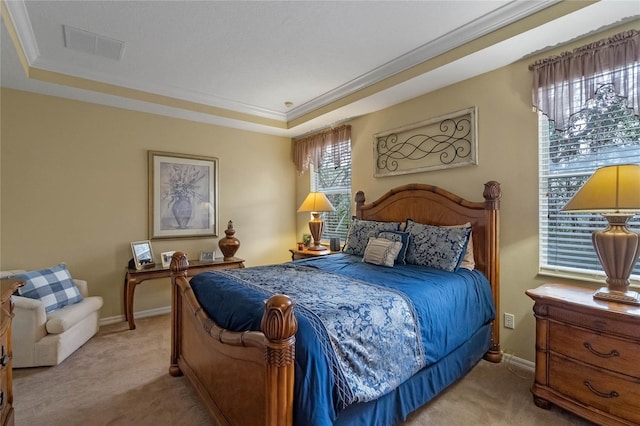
(93, 44)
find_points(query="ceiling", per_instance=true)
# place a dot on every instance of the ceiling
(276, 67)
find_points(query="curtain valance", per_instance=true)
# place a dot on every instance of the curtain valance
(562, 84)
(309, 149)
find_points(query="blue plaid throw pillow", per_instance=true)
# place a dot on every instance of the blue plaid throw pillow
(53, 286)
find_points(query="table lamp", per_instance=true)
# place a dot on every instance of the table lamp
(315, 203)
(613, 191)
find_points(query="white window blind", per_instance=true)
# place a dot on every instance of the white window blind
(604, 132)
(335, 181)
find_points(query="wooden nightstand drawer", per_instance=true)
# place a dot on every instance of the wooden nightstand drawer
(587, 354)
(625, 327)
(611, 393)
(600, 350)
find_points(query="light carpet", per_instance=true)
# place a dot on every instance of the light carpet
(120, 377)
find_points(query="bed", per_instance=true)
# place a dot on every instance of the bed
(246, 342)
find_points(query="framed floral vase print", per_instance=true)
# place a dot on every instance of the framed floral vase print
(183, 195)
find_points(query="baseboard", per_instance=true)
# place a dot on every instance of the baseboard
(137, 315)
(518, 362)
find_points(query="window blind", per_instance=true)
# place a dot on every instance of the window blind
(604, 132)
(335, 181)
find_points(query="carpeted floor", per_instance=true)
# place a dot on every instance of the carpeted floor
(120, 377)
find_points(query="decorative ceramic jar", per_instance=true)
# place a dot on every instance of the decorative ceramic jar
(229, 244)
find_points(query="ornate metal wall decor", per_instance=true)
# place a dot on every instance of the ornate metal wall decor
(438, 143)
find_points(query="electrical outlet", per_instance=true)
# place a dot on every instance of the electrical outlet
(509, 321)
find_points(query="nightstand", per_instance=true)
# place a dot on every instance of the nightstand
(305, 253)
(587, 354)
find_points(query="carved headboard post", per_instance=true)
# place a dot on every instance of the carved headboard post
(492, 194)
(359, 200)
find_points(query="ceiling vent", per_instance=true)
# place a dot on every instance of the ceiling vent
(94, 44)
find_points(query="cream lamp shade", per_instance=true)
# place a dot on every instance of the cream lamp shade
(315, 203)
(613, 191)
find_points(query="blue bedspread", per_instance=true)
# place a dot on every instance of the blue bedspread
(448, 307)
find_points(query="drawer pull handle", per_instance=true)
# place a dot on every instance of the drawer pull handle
(611, 353)
(612, 394)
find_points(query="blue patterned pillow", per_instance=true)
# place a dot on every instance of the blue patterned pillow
(436, 246)
(53, 286)
(399, 236)
(361, 230)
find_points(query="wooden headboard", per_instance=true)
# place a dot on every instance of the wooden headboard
(432, 205)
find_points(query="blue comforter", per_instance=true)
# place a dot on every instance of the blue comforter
(447, 309)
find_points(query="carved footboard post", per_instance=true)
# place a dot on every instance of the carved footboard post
(179, 266)
(279, 326)
(492, 194)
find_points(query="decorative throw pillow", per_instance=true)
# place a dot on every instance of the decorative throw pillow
(402, 237)
(53, 286)
(436, 246)
(381, 251)
(361, 230)
(468, 261)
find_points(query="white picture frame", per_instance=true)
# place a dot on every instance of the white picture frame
(207, 256)
(165, 256)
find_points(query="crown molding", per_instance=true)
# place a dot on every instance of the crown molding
(499, 18)
(507, 14)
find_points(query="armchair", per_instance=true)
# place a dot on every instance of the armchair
(40, 338)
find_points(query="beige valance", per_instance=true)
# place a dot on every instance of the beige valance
(562, 84)
(309, 149)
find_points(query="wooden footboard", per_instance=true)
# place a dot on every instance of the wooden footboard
(243, 378)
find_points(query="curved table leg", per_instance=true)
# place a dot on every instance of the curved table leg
(129, 288)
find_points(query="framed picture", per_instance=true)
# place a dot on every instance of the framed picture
(142, 254)
(442, 142)
(183, 195)
(166, 258)
(206, 256)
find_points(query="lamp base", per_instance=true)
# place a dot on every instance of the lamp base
(317, 247)
(628, 297)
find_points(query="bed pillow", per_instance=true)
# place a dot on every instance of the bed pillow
(402, 237)
(361, 230)
(468, 261)
(53, 286)
(380, 251)
(436, 246)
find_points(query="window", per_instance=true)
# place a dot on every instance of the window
(604, 132)
(335, 181)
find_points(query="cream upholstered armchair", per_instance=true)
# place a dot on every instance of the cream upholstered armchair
(41, 338)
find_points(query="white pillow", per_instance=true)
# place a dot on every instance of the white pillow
(380, 251)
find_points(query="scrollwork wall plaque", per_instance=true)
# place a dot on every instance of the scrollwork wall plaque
(438, 143)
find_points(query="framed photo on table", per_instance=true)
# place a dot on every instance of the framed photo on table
(206, 256)
(142, 254)
(166, 258)
(183, 195)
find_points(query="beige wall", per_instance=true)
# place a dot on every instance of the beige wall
(507, 152)
(74, 189)
(74, 184)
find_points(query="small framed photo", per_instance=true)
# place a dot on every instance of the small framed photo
(206, 256)
(142, 254)
(166, 258)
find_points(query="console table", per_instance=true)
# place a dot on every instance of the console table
(137, 276)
